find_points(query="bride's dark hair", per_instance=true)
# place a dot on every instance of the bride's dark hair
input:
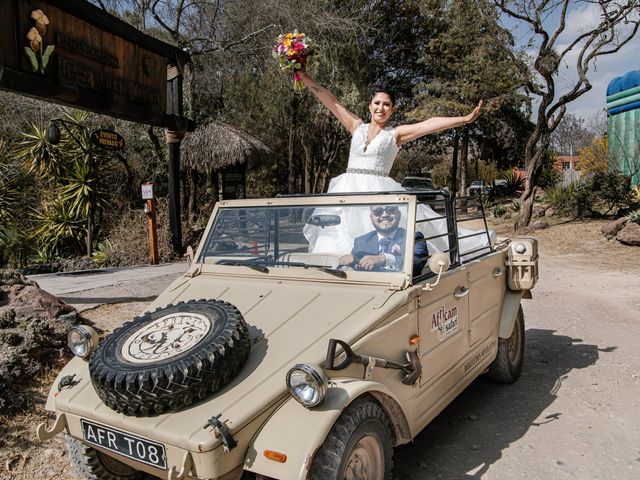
(383, 89)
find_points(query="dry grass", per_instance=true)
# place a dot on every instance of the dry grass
(23, 456)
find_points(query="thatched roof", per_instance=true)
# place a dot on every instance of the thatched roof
(215, 145)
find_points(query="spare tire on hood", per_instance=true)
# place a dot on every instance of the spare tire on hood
(167, 359)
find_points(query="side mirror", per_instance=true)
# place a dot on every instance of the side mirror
(189, 255)
(438, 263)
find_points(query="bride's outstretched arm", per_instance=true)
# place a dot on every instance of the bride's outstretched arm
(406, 133)
(349, 120)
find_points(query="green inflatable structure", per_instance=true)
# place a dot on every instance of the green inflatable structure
(623, 126)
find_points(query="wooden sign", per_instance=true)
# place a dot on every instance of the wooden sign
(147, 191)
(72, 52)
(107, 139)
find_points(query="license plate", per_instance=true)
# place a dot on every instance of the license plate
(126, 444)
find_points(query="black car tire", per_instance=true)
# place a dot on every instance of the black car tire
(167, 359)
(507, 366)
(95, 465)
(358, 446)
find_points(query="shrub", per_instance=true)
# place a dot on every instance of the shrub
(102, 252)
(611, 189)
(573, 200)
(635, 217)
(499, 211)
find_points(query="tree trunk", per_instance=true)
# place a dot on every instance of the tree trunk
(454, 164)
(308, 169)
(534, 156)
(464, 154)
(292, 142)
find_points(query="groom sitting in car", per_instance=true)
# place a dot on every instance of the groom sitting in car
(383, 248)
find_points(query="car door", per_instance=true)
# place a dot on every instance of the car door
(486, 290)
(443, 322)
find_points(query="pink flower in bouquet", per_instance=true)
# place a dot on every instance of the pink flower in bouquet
(293, 51)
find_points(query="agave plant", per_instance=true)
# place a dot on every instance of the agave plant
(515, 183)
(59, 230)
(75, 174)
(40, 157)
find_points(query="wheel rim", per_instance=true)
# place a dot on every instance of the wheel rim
(514, 343)
(166, 337)
(366, 460)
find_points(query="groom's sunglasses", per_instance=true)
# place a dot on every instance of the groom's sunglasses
(378, 211)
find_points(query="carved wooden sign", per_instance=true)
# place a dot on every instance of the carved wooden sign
(73, 53)
(107, 139)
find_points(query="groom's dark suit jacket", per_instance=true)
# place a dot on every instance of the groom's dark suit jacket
(368, 244)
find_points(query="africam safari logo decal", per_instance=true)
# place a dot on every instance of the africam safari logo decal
(445, 322)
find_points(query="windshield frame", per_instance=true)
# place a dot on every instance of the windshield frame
(401, 198)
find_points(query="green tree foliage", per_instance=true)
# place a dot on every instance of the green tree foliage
(471, 59)
(76, 179)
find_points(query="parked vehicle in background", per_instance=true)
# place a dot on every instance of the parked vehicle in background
(478, 187)
(417, 183)
(266, 360)
(500, 187)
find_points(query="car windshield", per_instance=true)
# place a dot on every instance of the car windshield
(417, 183)
(263, 237)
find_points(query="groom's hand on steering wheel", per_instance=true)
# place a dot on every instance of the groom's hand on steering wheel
(347, 260)
(371, 262)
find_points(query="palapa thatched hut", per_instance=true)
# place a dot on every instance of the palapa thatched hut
(222, 152)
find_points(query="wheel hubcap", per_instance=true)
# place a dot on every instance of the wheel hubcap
(366, 461)
(166, 337)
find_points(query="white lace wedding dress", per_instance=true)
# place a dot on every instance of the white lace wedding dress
(368, 171)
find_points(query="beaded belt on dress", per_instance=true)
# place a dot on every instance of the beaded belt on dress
(367, 171)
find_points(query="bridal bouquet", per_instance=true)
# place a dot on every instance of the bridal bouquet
(293, 50)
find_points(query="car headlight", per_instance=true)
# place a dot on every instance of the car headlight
(82, 340)
(307, 384)
(520, 248)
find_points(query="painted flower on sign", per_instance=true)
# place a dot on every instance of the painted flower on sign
(41, 21)
(37, 52)
(35, 39)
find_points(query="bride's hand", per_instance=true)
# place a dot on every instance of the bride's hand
(473, 115)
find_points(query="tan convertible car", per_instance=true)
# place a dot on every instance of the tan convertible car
(273, 359)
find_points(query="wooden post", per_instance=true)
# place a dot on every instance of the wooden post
(173, 137)
(153, 230)
(150, 210)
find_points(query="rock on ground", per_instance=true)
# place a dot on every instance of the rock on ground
(630, 234)
(33, 331)
(612, 229)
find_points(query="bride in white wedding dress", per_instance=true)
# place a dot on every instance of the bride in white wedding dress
(374, 147)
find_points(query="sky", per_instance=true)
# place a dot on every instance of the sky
(606, 67)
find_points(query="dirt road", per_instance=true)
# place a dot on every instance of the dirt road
(574, 413)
